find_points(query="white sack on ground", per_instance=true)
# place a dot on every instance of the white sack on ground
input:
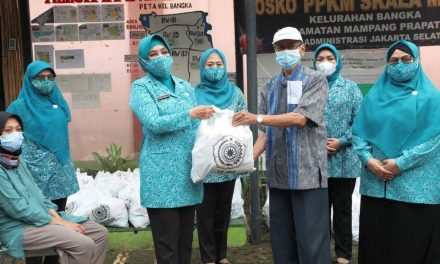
(83, 179)
(137, 215)
(221, 148)
(110, 212)
(109, 184)
(355, 211)
(265, 210)
(82, 202)
(237, 210)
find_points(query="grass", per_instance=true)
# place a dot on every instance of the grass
(144, 239)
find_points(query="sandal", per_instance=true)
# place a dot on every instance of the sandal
(342, 261)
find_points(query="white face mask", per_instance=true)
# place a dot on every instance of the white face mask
(326, 67)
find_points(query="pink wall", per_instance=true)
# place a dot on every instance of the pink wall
(94, 129)
(222, 20)
(430, 57)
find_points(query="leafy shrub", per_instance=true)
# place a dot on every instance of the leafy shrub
(113, 161)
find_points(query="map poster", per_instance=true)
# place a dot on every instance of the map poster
(44, 53)
(65, 14)
(66, 59)
(67, 32)
(113, 31)
(44, 33)
(112, 12)
(92, 31)
(89, 13)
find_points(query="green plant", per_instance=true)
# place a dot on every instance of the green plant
(113, 161)
(262, 182)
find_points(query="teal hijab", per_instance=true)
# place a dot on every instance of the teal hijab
(221, 93)
(45, 125)
(396, 116)
(144, 48)
(326, 46)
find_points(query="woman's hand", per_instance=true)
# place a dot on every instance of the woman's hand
(201, 111)
(391, 165)
(378, 168)
(74, 226)
(244, 118)
(333, 146)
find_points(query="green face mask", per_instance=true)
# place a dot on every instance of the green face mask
(43, 87)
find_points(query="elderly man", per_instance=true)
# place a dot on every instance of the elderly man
(292, 126)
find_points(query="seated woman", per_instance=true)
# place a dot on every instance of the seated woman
(28, 220)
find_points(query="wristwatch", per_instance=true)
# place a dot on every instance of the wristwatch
(259, 119)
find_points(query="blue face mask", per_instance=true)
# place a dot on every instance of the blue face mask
(401, 72)
(11, 142)
(43, 87)
(159, 67)
(287, 59)
(214, 74)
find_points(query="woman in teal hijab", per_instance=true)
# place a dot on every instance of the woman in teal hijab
(329, 63)
(41, 103)
(166, 107)
(397, 136)
(214, 87)
(28, 220)
(344, 167)
(214, 213)
(46, 148)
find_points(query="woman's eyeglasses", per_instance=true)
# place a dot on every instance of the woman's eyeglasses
(328, 58)
(404, 59)
(42, 77)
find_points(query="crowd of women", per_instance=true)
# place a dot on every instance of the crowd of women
(391, 138)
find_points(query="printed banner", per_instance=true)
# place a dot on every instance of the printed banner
(350, 24)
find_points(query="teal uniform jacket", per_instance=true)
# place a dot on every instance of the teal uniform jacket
(419, 178)
(342, 105)
(168, 139)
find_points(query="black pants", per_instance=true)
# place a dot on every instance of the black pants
(61, 203)
(213, 217)
(340, 193)
(172, 230)
(299, 224)
(393, 232)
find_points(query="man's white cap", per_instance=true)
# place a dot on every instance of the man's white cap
(287, 33)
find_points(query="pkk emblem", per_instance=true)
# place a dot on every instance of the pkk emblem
(101, 215)
(229, 152)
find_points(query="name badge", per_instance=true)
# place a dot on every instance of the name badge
(294, 92)
(162, 97)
